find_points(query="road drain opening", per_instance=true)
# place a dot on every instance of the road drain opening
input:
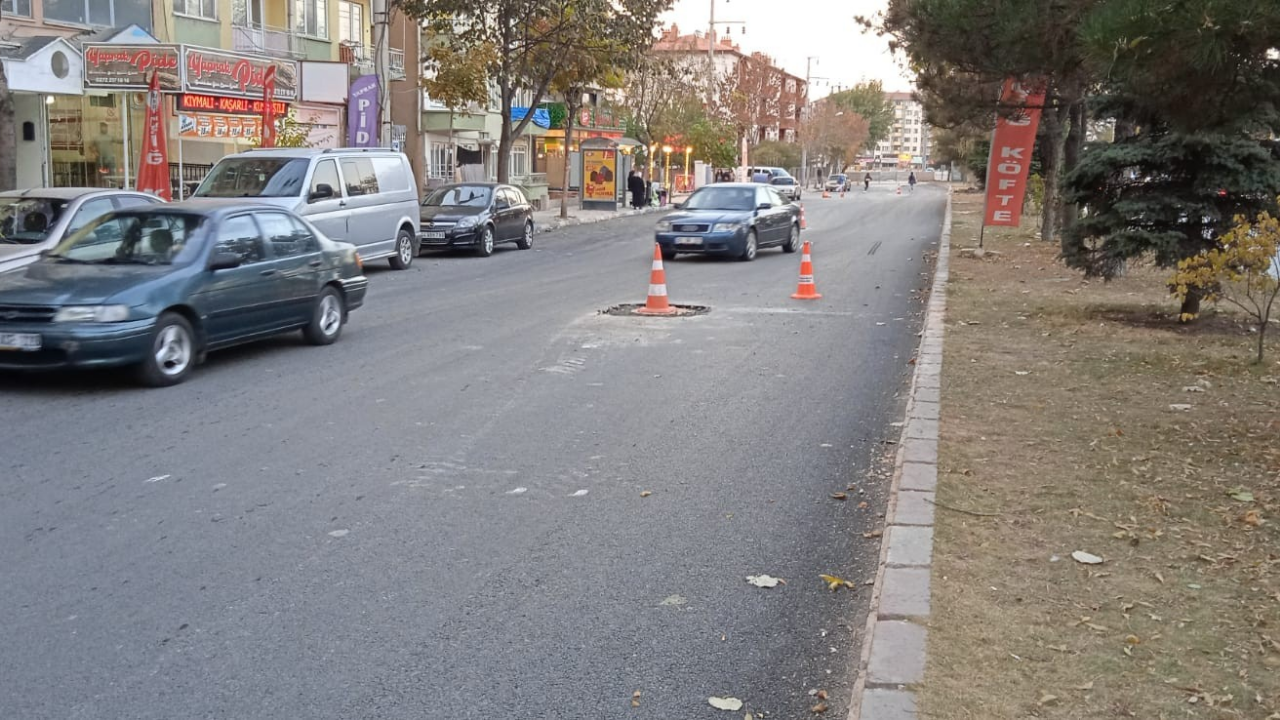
(632, 310)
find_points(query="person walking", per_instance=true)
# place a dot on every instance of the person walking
(911, 180)
(635, 186)
(866, 183)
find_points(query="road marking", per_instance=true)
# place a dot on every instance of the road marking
(874, 247)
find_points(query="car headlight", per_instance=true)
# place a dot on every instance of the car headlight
(468, 221)
(92, 313)
(726, 227)
(663, 226)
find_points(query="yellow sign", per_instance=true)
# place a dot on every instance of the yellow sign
(904, 157)
(600, 184)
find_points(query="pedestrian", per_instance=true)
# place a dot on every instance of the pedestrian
(911, 180)
(866, 183)
(635, 186)
(662, 194)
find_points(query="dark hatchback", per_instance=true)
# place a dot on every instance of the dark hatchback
(735, 219)
(159, 287)
(476, 216)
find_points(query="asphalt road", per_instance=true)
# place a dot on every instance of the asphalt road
(441, 516)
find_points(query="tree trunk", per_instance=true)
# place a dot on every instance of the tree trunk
(8, 137)
(1051, 165)
(504, 142)
(571, 112)
(1070, 158)
(1190, 305)
(1262, 340)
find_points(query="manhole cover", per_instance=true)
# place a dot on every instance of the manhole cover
(631, 310)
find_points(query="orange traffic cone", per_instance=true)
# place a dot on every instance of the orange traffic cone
(657, 303)
(842, 192)
(803, 225)
(899, 190)
(826, 194)
(807, 290)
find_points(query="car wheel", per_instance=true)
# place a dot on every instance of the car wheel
(793, 240)
(171, 352)
(526, 241)
(484, 247)
(404, 250)
(749, 250)
(667, 253)
(327, 318)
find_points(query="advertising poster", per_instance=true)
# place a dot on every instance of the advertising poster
(599, 184)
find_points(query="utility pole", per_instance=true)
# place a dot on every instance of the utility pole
(804, 113)
(382, 66)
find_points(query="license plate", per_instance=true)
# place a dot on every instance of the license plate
(433, 235)
(688, 241)
(26, 342)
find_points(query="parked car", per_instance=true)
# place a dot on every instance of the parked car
(771, 171)
(477, 216)
(33, 221)
(839, 182)
(730, 219)
(158, 287)
(787, 187)
(364, 196)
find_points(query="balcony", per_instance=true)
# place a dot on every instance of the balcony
(361, 59)
(395, 66)
(266, 40)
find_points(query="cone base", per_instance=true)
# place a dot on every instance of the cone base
(806, 296)
(662, 311)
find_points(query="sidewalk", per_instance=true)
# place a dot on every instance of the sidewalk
(549, 219)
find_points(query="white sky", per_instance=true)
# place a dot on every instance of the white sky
(790, 30)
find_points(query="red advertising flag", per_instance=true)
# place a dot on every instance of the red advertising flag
(1011, 148)
(269, 108)
(153, 166)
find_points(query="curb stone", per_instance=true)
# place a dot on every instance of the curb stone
(572, 221)
(894, 653)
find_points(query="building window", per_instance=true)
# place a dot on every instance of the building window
(351, 23)
(311, 17)
(441, 161)
(207, 9)
(15, 7)
(519, 160)
(98, 13)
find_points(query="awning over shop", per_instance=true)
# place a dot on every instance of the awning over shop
(541, 117)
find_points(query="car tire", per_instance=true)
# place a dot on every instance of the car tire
(484, 243)
(405, 250)
(667, 253)
(793, 240)
(750, 248)
(327, 318)
(171, 352)
(526, 240)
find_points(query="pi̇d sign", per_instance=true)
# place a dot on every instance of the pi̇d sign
(1011, 148)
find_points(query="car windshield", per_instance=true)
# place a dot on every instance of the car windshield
(836, 178)
(28, 220)
(255, 177)
(722, 198)
(133, 238)
(460, 196)
(784, 181)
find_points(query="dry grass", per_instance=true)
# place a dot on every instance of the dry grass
(1056, 416)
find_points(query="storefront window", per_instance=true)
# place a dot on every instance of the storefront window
(312, 17)
(519, 160)
(87, 141)
(15, 7)
(102, 13)
(441, 161)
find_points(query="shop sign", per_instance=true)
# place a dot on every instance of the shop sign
(228, 105)
(214, 72)
(129, 67)
(202, 126)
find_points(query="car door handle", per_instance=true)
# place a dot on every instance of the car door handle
(315, 263)
(266, 273)
(342, 203)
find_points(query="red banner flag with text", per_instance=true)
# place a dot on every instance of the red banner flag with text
(268, 108)
(153, 166)
(1011, 148)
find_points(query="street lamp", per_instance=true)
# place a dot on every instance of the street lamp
(687, 151)
(653, 150)
(666, 168)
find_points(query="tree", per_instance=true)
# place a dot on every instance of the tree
(290, 132)
(655, 88)
(530, 36)
(868, 101)
(1243, 269)
(744, 94)
(834, 133)
(8, 137)
(592, 67)
(776, 154)
(459, 76)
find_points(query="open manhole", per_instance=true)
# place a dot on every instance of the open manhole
(631, 310)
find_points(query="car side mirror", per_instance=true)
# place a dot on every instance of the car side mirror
(501, 205)
(679, 206)
(764, 206)
(323, 191)
(224, 261)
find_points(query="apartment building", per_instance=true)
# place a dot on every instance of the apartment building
(908, 142)
(78, 70)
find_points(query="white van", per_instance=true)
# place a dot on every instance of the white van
(364, 196)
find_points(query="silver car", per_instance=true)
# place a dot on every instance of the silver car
(364, 196)
(787, 187)
(35, 220)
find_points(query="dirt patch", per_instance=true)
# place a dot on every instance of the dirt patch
(1086, 418)
(632, 310)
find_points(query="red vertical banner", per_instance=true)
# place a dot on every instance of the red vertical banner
(1011, 148)
(268, 108)
(153, 166)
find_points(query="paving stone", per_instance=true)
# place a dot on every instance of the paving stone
(914, 508)
(910, 546)
(926, 429)
(927, 395)
(897, 653)
(920, 451)
(905, 593)
(926, 410)
(919, 476)
(885, 704)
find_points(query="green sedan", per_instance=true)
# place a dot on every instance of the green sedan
(158, 287)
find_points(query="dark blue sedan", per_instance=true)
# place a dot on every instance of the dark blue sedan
(158, 287)
(735, 219)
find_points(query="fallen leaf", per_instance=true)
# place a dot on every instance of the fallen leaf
(1132, 639)
(822, 694)
(835, 583)
(1086, 686)
(635, 699)
(819, 708)
(1240, 494)
(1179, 407)
(839, 496)
(1048, 699)
(872, 534)
(764, 581)
(645, 493)
(727, 703)
(1081, 556)
(1193, 388)
(862, 505)
(1252, 517)
(1021, 372)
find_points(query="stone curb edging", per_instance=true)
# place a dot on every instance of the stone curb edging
(893, 653)
(558, 223)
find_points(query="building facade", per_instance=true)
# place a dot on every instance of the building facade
(83, 73)
(909, 138)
